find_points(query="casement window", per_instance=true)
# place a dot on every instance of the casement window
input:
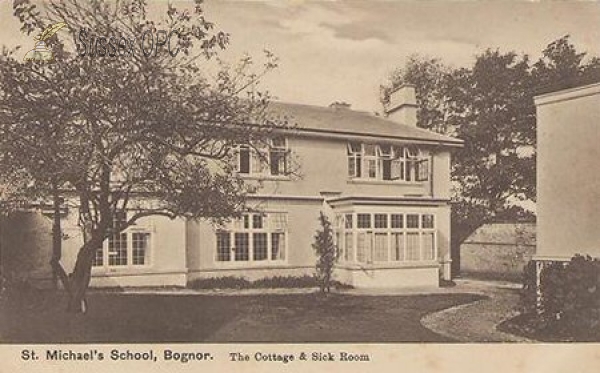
(386, 237)
(386, 162)
(128, 248)
(271, 159)
(255, 237)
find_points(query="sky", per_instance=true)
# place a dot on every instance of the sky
(344, 50)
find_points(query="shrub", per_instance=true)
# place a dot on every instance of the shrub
(569, 304)
(276, 282)
(226, 282)
(327, 253)
(286, 282)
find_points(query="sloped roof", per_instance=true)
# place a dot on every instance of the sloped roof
(340, 121)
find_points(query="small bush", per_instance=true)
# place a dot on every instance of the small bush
(276, 282)
(327, 253)
(226, 282)
(286, 282)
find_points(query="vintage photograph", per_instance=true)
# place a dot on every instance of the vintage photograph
(311, 172)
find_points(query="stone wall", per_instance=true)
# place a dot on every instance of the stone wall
(498, 251)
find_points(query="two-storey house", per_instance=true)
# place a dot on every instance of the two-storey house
(384, 183)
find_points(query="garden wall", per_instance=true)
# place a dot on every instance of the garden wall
(498, 251)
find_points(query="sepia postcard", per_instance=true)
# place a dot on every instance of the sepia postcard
(203, 185)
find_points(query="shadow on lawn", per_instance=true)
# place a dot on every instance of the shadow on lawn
(35, 316)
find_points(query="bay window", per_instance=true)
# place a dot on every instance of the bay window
(386, 237)
(255, 237)
(387, 162)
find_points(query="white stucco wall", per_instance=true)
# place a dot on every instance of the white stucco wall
(568, 177)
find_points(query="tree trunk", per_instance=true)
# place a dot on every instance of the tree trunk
(79, 279)
(56, 238)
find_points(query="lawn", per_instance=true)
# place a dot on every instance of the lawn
(35, 316)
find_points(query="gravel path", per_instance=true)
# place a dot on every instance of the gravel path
(476, 322)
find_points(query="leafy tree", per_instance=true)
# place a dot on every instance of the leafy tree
(430, 77)
(115, 133)
(490, 106)
(562, 66)
(327, 253)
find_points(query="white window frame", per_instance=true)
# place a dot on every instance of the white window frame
(129, 232)
(238, 226)
(407, 163)
(341, 229)
(260, 158)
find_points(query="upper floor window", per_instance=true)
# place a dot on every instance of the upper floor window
(271, 159)
(386, 162)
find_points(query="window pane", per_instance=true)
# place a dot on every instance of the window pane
(258, 162)
(397, 221)
(260, 246)
(139, 248)
(277, 160)
(223, 246)
(361, 247)
(364, 220)
(348, 221)
(398, 246)
(339, 243)
(277, 246)
(428, 247)
(278, 221)
(257, 221)
(386, 169)
(354, 147)
(423, 170)
(385, 150)
(412, 246)
(246, 221)
(412, 221)
(244, 166)
(370, 149)
(412, 152)
(371, 165)
(117, 250)
(427, 221)
(98, 257)
(349, 246)
(352, 166)
(278, 142)
(380, 251)
(381, 220)
(241, 247)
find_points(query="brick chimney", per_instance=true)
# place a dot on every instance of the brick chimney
(402, 106)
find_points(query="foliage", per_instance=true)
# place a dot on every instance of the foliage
(327, 253)
(430, 78)
(569, 304)
(529, 294)
(490, 106)
(275, 282)
(144, 135)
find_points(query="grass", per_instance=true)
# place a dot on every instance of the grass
(34, 316)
